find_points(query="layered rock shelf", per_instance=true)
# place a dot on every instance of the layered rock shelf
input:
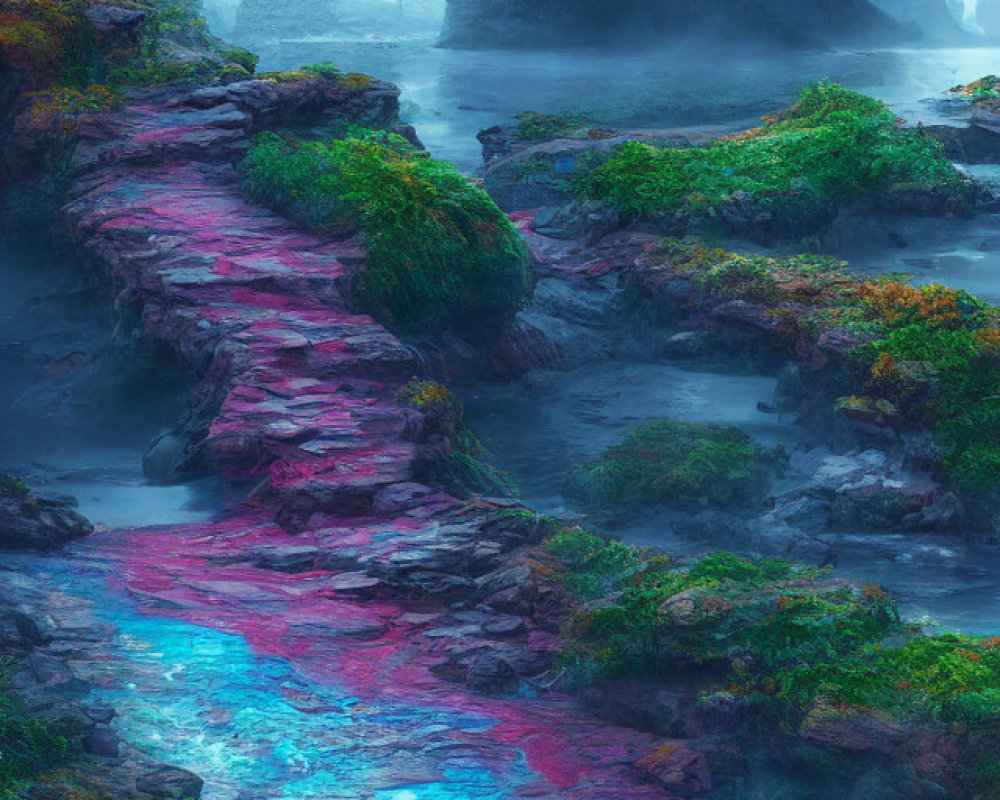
(338, 562)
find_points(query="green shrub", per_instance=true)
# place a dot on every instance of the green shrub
(27, 744)
(680, 465)
(946, 678)
(642, 613)
(440, 253)
(833, 147)
(534, 127)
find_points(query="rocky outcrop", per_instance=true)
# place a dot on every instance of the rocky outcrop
(526, 23)
(32, 522)
(932, 20)
(52, 646)
(393, 586)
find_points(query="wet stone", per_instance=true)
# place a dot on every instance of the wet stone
(491, 673)
(170, 783)
(358, 584)
(102, 741)
(504, 625)
(291, 558)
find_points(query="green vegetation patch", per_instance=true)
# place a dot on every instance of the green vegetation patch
(440, 253)
(985, 90)
(452, 456)
(535, 127)
(680, 465)
(831, 148)
(28, 745)
(950, 679)
(926, 355)
(641, 613)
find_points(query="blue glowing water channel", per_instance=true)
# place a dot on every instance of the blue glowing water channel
(255, 729)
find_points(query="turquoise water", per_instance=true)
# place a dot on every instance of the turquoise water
(252, 726)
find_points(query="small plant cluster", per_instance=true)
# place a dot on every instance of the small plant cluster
(28, 745)
(984, 90)
(744, 620)
(440, 253)
(65, 103)
(929, 355)
(681, 465)
(831, 148)
(533, 126)
(453, 457)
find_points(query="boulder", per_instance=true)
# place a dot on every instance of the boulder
(170, 783)
(31, 522)
(849, 729)
(677, 768)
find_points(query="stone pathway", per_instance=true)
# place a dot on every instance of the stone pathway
(378, 588)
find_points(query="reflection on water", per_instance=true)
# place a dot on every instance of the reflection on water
(962, 253)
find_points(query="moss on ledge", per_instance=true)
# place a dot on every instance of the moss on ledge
(920, 357)
(451, 456)
(790, 176)
(440, 254)
(680, 465)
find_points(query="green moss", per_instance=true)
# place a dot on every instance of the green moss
(440, 253)
(535, 127)
(452, 456)
(926, 355)
(644, 614)
(28, 744)
(951, 679)
(680, 465)
(833, 147)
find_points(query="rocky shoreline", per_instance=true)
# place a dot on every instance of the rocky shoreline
(301, 400)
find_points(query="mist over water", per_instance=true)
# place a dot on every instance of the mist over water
(450, 95)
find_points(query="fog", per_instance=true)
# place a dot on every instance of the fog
(452, 94)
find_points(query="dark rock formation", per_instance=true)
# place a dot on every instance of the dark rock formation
(541, 23)
(931, 20)
(28, 521)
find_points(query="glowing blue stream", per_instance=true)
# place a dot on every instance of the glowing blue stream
(255, 730)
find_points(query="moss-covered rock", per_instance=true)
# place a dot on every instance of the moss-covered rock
(440, 253)
(789, 177)
(842, 685)
(882, 352)
(450, 454)
(679, 465)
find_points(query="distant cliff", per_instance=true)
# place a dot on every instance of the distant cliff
(931, 20)
(540, 23)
